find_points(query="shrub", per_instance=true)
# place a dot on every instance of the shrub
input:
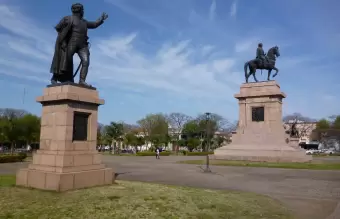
(199, 153)
(149, 153)
(184, 152)
(11, 158)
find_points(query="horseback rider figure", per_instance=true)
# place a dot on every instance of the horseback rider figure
(263, 62)
(261, 56)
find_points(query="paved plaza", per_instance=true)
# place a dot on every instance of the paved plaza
(309, 194)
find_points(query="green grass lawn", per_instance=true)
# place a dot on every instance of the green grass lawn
(312, 166)
(131, 200)
(327, 155)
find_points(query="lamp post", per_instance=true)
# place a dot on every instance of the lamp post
(207, 119)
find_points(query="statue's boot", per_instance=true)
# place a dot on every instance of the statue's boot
(83, 75)
(54, 80)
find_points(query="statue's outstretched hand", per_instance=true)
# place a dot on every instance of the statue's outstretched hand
(104, 16)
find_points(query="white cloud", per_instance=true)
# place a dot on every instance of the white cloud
(212, 10)
(135, 13)
(115, 61)
(247, 45)
(204, 63)
(233, 9)
(207, 49)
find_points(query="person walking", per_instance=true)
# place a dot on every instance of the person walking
(157, 153)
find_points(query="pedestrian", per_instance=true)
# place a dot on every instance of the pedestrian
(157, 153)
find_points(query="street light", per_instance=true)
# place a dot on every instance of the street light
(207, 119)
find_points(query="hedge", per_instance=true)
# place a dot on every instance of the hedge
(204, 153)
(148, 153)
(11, 158)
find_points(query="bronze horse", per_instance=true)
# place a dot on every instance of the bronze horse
(269, 65)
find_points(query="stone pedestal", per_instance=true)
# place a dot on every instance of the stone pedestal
(67, 158)
(294, 142)
(260, 134)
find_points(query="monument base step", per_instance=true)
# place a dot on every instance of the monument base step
(60, 182)
(249, 153)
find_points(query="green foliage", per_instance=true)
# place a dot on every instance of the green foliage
(219, 141)
(336, 123)
(193, 143)
(18, 126)
(323, 124)
(30, 128)
(192, 129)
(155, 126)
(149, 153)
(114, 131)
(11, 158)
(182, 142)
(131, 139)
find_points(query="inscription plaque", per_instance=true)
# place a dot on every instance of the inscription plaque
(257, 114)
(80, 126)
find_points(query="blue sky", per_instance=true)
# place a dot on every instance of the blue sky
(177, 56)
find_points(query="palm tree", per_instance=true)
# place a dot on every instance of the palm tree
(114, 131)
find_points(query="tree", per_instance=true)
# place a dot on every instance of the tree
(177, 121)
(193, 143)
(297, 116)
(10, 127)
(191, 129)
(336, 123)
(114, 132)
(155, 128)
(131, 139)
(323, 124)
(30, 128)
(192, 135)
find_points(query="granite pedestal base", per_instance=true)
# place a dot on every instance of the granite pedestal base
(285, 154)
(67, 158)
(260, 135)
(64, 181)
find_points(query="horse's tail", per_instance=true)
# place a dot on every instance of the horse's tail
(245, 69)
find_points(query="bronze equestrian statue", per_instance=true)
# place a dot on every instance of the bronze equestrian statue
(72, 38)
(262, 61)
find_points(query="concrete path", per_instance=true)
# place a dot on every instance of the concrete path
(309, 194)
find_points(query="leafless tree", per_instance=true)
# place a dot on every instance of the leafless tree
(177, 121)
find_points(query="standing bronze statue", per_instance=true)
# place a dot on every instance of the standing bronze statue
(72, 38)
(262, 61)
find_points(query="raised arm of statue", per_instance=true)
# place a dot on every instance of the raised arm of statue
(97, 23)
(62, 24)
(94, 24)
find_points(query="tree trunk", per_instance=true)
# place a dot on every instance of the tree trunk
(12, 147)
(113, 146)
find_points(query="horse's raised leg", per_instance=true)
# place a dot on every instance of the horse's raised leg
(277, 71)
(269, 73)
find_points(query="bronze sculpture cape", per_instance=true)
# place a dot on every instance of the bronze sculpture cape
(72, 38)
(263, 62)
